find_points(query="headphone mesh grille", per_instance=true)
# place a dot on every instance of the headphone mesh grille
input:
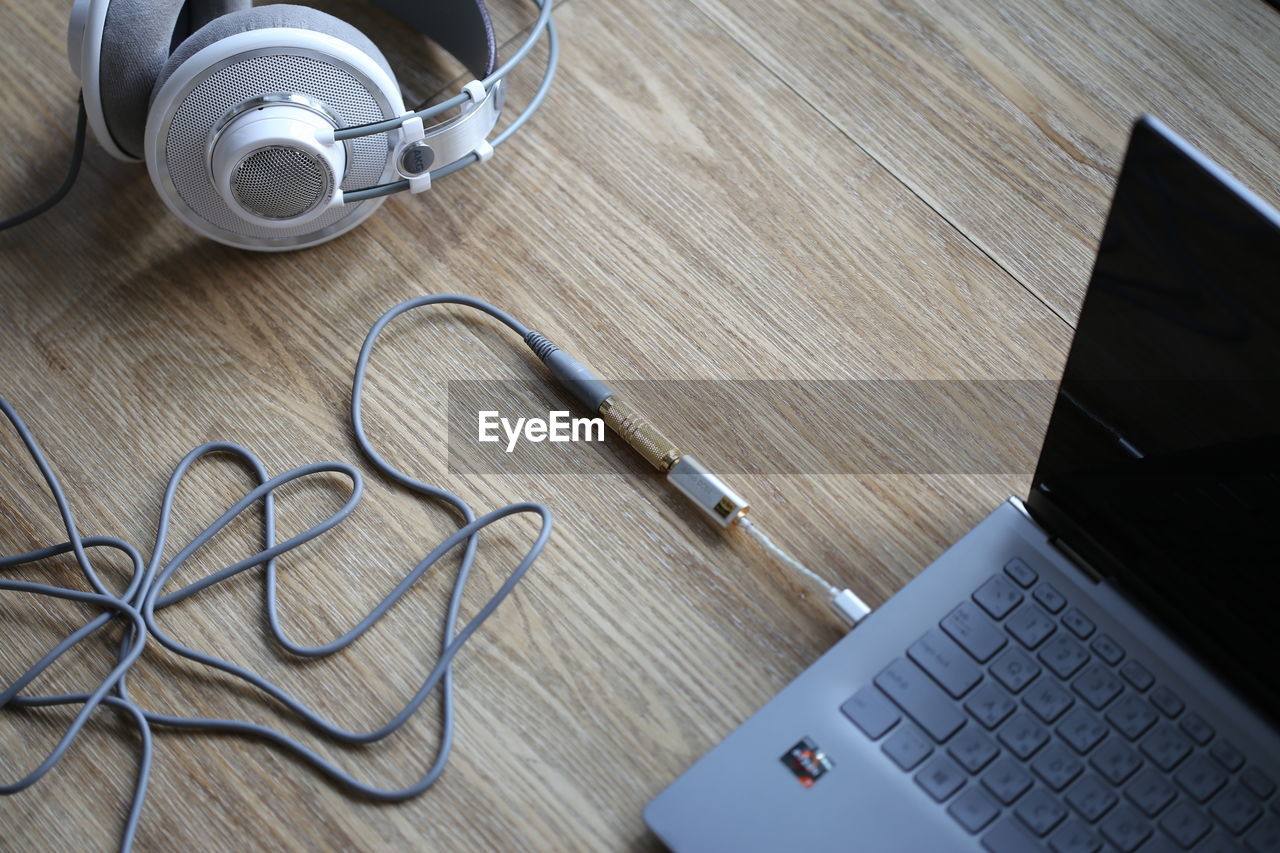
(279, 182)
(239, 81)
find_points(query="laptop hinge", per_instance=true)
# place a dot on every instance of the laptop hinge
(1074, 556)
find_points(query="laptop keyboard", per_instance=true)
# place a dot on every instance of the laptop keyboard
(1035, 730)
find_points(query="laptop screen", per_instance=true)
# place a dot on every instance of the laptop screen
(1161, 463)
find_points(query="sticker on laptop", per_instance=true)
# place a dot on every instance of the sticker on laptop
(807, 762)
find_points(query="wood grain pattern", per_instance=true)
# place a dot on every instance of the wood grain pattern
(1009, 117)
(675, 211)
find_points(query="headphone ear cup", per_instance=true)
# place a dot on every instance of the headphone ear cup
(234, 133)
(128, 43)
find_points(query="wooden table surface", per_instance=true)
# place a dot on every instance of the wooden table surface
(759, 189)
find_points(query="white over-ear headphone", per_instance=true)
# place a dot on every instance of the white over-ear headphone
(277, 127)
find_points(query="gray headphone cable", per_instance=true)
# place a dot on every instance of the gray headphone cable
(73, 171)
(144, 596)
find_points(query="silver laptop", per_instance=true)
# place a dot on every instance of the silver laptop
(1096, 667)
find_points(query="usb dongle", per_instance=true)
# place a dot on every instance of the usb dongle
(706, 491)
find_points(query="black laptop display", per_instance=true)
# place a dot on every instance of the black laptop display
(1161, 464)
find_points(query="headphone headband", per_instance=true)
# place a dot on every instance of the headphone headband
(461, 27)
(489, 106)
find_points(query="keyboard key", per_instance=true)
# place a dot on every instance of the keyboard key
(973, 809)
(1097, 685)
(1030, 625)
(948, 664)
(1050, 598)
(1201, 778)
(1167, 701)
(921, 699)
(975, 633)
(1137, 675)
(1023, 574)
(1131, 716)
(1082, 730)
(1265, 837)
(1006, 780)
(1056, 766)
(1064, 656)
(1047, 700)
(1227, 754)
(907, 747)
(1185, 824)
(1023, 735)
(989, 705)
(1236, 808)
(972, 749)
(1150, 791)
(998, 596)
(940, 778)
(1115, 761)
(1040, 811)
(1125, 828)
(1074, 836)
(1091, 797)
(1218, 842)
(1008, 837)
(1014, 669)
(1258, 782)
(1166, 746)
(1197, 728)
(871, 712)
(1160, 843)
(1107, 649)
(1077, 623)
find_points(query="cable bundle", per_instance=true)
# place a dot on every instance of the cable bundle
(137, 606)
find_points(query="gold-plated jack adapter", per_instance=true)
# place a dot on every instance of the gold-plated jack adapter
(636, 430)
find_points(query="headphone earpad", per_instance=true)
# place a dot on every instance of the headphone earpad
(137, 37)
(267, 17)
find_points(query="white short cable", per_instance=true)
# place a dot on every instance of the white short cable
(844, 602)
